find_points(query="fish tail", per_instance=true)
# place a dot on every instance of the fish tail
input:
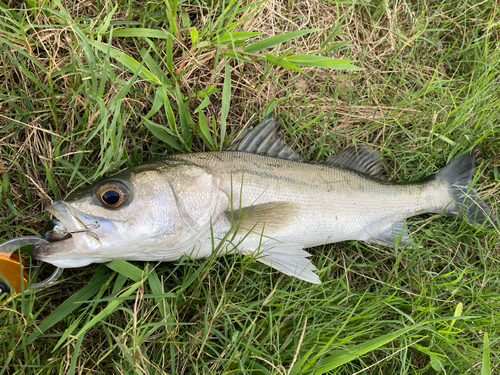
(458, 174)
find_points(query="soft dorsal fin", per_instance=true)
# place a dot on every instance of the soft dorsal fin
(266, 139)
(362, 159)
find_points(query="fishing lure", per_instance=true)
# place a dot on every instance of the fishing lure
(13, 275)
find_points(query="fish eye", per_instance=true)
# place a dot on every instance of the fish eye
(112, 194)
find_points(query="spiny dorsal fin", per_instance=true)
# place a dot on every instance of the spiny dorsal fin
(265, 218)
(362, 159)
(266, 139)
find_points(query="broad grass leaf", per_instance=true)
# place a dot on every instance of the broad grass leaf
(168, 111)
(139, 32)
(154, 67)
(157, 103)
(282, 62)
(128, 61)
(194, 37)
(161, 132)
(205, 131)
(184, 119)
(322, 62)
(486, 365)
(435, 364)
(170, 56)
(204, 103)
(126, 269)
(458, 312)
(228, 37)
(237, 56)
(275, 40)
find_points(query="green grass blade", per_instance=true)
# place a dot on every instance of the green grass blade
(336, 360)
(128, 61)
(204, 103)
(171, 17)
(170, 56)
(235, 55)
(157, 288)
(194, 37)
(162, 133)
(74, 359)
(227, 37)
(108, 310)
(204, 131)
(140, 32)
(184, 117)
(51, 181)
(168, 111)
(282, 62)
(226, 102)
(104, 77)
(71, 304)
(157, 103)
(321, 62)
(107, 21)
(486, 364)
(126, 269)
(154, 67)
(275, 40)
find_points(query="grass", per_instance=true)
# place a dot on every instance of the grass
(90, 88)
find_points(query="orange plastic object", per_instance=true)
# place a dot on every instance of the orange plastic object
(10, 268)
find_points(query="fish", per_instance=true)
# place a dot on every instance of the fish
(256, 197)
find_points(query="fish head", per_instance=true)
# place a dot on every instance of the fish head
(155, 211)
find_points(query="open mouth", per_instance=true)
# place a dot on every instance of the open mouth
(66, 215)
(69, 235)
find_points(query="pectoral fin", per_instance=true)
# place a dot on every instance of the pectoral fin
(266, 218)
(290, 259)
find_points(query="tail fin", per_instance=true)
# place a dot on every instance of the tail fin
(467, 202)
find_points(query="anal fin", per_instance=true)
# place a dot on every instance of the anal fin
(392, 234)
(290, 259)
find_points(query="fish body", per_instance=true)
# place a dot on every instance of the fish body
(255, 198)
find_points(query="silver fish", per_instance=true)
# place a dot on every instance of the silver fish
(257, 197)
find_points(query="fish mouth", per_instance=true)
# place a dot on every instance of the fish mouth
(78, 249)
(73, 220)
